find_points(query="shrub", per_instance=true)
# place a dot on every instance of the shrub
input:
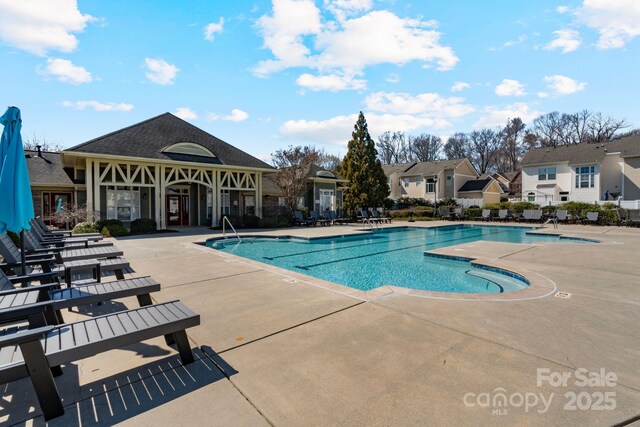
(251, 221)
(85, 227)
(452, 203)
(408, 202)
(276, 221)
(143, 225)
(472, 213)
(112, 227)
(609, 205)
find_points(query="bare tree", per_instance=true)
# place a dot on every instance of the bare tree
(328, 161)
(457, 146)
(603, 129)
(393, 148)
(425, 147)
(549, 130)
(484, 144)
(294, 165)
(512, 145)
(45, 145)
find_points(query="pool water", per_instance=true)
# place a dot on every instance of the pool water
(392, 256)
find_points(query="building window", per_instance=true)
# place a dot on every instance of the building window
(209, 203)
(249, 205)
(585, 177)
(225, 202)
(431, 187)
(531, 197)
(281, 202)
(418, 181)
(545, 174)
(123, 203)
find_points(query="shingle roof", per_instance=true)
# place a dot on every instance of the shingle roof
(396, 167)
(147, 139)
(431, 168)
(43, 173)
(475, 184)
(583, 153)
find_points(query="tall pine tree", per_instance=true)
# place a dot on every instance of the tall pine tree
(367, 182)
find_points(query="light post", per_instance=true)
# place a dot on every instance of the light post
(435, 195)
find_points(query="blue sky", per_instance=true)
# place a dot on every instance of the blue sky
(264, 75)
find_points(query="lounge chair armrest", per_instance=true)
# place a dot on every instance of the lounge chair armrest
(24, 336)
(46, 287)
(44, 251)
(32, 277)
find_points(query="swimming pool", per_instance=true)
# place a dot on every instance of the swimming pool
(391, 256)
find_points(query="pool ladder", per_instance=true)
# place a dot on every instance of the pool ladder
(225, 221)
(370, 222)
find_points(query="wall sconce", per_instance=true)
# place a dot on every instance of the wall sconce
(235, 203)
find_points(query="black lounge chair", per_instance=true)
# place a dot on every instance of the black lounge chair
(336, 220)
(445, 212)
(591, 218)
(73, 253)
(299, 219)
(457, 214)
(33, 242)
(34, 352)
(505, 215)
(562, 215)
(633, 217)
(536, 215)
(50, 290)
(61, 233)
(43, 237)
(315, 215)
(485, 216)
(526, 216)
(375, 214)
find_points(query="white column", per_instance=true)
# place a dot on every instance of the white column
(199, 207)
(96, 184)
(88, 176)
(259, 194)
(218, 200)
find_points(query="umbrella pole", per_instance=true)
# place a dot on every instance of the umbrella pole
(23, 261)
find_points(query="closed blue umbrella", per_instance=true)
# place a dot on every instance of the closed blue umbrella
(16, 204)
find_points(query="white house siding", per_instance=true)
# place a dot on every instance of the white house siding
(588, 195)
(632, 178)
(564, 181)
(611, 174)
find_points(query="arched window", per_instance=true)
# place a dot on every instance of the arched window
(325, 174)
(189, 148)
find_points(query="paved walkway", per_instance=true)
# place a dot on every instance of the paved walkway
(276, 351)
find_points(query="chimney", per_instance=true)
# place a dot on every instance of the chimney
(38, 147)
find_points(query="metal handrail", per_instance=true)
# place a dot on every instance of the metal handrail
(224, 218)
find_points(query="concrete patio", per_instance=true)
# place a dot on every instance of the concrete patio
(281, 349)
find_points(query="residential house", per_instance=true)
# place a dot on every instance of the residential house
(583, 172)
(429, 180)
(162, 168)
(514, 189)
(487, 189)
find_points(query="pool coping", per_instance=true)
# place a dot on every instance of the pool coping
(539, 285)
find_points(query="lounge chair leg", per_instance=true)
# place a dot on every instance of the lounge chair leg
(169, 339)
(119, 274)
(186, 355)
(144, 300)
(56, 371)
(42, 379)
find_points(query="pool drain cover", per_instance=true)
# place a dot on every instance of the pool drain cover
(565, 295)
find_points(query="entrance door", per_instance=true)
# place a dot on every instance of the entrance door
(53, 203)
(178, 209)
(327, 201)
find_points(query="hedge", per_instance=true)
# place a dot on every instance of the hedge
(85, 227)
(111, 228)
(143, 226)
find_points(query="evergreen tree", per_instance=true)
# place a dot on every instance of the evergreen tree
(367, 182)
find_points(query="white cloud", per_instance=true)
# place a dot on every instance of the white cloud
(213, 28)
(297, 36)
(98, 106)
(497, 116)
(337, 130)
(567, 40)
(563, 85)
(160, 71)
(393, 78)
(459, 86)
(510, 87)
(430, 105)
(521, 39)
(331, 82)
(617, 22)
(562, 9)
(185, 113)
(38, 26)
(236, 115)
(64, 71)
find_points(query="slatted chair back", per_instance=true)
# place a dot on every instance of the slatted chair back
(592, 216)
(536, 214)
(8, 249)
(31, 242)
(5, 283)
(502, 213)
(562, 214)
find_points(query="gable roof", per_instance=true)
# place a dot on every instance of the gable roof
(476, 184)
(43, 173)
(396, 167)
(149, 138)
(432, 168)
(583, 153)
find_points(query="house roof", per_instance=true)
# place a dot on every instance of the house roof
(149, 138)
(476, 184)
(583, 153)
(421, 168)
(318, 172)
(511, 175)
(42, 172)
(396, 167)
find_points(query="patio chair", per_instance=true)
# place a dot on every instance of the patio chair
(50, 290)
(47, 231)
(43, 237)
(315, 215)
(445, 212)
(536, 215)
(376, 216)
(32, 353)
(71, 254)
(591, 218)
(504, 215)
(33, 240)
(633, 217)
(299, 219)
(457, 214)
(562, 215)
(486, 215)
(621, 218)
(526, 216)
(337, 220)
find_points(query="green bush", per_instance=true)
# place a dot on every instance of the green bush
(579, 209)
(419, 211)
(112, 228)
(515, 207)
(251, 221)
(452, 203)
(143, 225)
(609, 206)
(276, 221)
(85, 227)
(408, 202)
(472, 213)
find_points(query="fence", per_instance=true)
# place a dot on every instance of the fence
(624, 204)
(465, 203)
